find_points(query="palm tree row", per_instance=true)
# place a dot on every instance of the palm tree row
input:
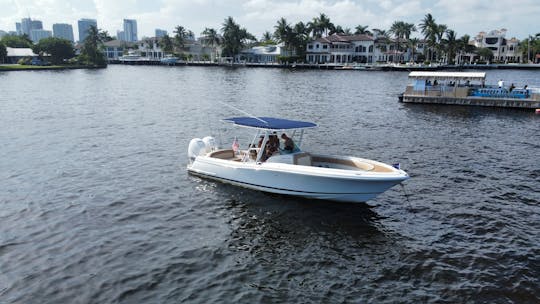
(441, 43)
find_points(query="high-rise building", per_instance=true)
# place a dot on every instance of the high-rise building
(160, 33)
(130, 30)
(36, 25)
(37, 35)
(26, 26)
(120, 35)
(18, 28)
(63, 30)
(84, 25)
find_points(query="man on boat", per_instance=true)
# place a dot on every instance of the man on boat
(288, 144)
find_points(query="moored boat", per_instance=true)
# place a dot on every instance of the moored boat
(290, 171)
(467, 88)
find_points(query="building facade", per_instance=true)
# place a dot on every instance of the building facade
(504, 50)
(84, 25)
(37, 35)
(160, 33)
(130, 30)
(64, 31)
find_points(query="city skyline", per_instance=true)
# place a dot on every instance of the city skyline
(258, 16)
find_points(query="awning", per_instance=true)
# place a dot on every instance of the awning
(270, 123)
(478, 76)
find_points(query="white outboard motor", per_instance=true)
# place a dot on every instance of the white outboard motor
(196, 148)
(209, 143)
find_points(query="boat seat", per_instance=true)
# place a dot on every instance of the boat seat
(223, 154)
(302, 159)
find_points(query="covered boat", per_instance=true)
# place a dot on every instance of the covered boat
(268, 166)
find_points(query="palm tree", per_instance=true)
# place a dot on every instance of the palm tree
(464, 47)
(428, 28)
(234, 37)
(167, 43)
(267, 37)
(451, 43)
(283, 32)
(180, 37)
(91, 48)
(361, 30)
(325, 24)
(413, 43)
(211, 38)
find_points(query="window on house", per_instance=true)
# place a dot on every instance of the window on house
(325, 46)
(310, 46)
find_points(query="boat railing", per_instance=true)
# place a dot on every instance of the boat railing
(463, 91)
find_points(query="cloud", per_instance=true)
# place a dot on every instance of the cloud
(464, 16)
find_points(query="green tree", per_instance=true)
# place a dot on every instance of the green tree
(167, 43)
(284, 34)
(91, 53)
(3, 53)
(58, 48)
(428, 27)
(451, 45)
(234, 37)
(485, 53)
(15, 41)
(181, 33)
(362, 30)
(211, 38)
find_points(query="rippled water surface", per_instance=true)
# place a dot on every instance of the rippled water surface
(96, 205)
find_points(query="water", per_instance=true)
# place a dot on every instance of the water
(96, 205)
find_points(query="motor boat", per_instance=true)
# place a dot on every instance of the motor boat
(266, 165)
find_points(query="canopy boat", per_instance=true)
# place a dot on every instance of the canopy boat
(296, 172)
(467, 88)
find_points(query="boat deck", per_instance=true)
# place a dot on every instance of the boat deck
(306, 159)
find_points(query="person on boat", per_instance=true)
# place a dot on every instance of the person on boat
(288, 144)
(512, 87)
(501, 83)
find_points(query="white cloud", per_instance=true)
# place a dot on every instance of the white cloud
(464, 16)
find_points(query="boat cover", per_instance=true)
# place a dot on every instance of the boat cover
(270, 123)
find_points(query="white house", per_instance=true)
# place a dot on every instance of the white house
(15, 54)
(343, 49)
(504, 50)
(261, 54)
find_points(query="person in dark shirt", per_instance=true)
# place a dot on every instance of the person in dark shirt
(288, 144)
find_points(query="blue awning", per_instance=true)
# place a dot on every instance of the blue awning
(270, 123)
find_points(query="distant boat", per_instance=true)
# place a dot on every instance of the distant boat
(294, 172)
(169, 60)
(130, 57)
(467, 88)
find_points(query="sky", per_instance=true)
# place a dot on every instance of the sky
(519, 17)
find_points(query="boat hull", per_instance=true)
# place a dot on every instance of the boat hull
(304, 181)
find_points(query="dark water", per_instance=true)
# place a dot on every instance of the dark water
(96, 205)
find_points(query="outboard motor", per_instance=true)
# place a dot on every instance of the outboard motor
(210, 144)
(196, 147)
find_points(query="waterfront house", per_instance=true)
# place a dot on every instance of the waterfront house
(341, 49)
(16, 54)
(504, 50)
(268, 54)
(115, 49)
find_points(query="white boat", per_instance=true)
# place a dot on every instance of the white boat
(298, 173)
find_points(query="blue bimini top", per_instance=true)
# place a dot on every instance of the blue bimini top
(270, 123)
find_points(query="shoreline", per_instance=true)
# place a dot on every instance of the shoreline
(374, 67)
(347, 67)
(18, 67)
